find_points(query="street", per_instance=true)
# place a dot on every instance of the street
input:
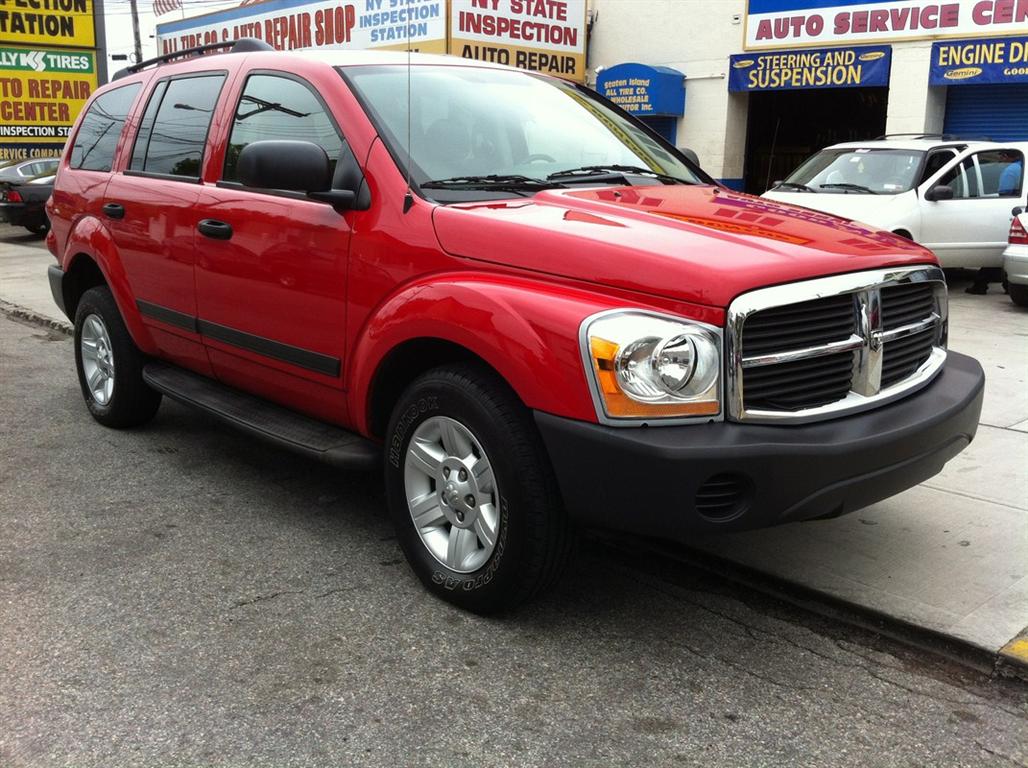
(181, 595)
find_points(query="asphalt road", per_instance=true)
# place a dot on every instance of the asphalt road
(181, 595)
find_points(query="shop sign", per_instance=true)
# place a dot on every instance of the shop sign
(858, 67)
(540, 35)
(47, 22)
(795, 23)
(644, 90)
(320, 25)
(42, 92)
(13, 152)
(971, 62)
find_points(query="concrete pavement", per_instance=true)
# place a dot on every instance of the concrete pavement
(950, 556)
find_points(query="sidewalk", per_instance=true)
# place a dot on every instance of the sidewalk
(950, 556)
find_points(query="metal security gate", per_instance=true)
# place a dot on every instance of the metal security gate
(665, 126)
(998, 112)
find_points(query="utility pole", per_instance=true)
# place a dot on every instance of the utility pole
(138, 47)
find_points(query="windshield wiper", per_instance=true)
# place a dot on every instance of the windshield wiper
(847, 185)
(510, 182)
(589, 172)
(796, 185)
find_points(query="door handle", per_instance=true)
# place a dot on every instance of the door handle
(214, 229)
(114, 210)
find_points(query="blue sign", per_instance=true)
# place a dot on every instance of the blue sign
(859, 67)
(643, 90)
(972, 62)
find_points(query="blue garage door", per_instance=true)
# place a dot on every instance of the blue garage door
(999, 112)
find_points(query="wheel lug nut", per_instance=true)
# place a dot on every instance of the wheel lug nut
(469, 500)
(446, 471)
(462, 475)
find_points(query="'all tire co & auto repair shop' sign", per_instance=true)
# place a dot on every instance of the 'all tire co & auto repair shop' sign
(48, 69)
(540, 35)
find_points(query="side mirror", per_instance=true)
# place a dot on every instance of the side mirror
(294, 166)
(1017, 210)
(776, 183)
(939, 192)
(690, 155)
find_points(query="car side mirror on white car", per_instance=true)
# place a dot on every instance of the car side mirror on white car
(939, 192)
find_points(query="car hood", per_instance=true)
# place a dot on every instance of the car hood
(700, 244)
(874, 210)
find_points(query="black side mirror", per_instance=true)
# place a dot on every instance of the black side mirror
(295, 166)
(690, 155)
(939, 192)
(1017, 210)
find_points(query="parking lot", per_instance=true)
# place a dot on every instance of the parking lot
(182, 595)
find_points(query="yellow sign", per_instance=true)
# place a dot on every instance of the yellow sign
(47, 22)
(42, 91)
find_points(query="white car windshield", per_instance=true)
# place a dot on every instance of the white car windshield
(857, 171)
(474, 128)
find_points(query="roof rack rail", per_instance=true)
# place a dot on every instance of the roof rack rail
(242, 45)
(940, 136)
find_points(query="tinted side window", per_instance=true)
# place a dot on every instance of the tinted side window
(97, 137)
(279, 108)
(146, 127)
(178, 131)
(935, 162)
(1002, 172)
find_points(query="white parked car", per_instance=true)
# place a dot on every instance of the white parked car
(1015, 260)
(954, 197)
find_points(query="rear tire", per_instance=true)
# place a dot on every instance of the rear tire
(110, 366)
(492, 531)
(1019, 294)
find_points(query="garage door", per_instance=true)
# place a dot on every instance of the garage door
(999, 112)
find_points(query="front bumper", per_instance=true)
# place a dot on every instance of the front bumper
(674, 482)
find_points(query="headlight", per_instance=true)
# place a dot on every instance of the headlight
(647, 366)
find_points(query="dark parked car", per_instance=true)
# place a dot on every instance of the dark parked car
(23, 204)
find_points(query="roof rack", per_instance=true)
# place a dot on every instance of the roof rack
(242, 45)
(940, 136)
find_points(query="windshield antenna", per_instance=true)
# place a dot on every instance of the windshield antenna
(408, 198)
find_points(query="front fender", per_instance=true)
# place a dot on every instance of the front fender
(527, 330)
(90, 238)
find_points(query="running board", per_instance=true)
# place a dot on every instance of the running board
(299, 433)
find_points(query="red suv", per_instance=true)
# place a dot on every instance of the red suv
(526, 306)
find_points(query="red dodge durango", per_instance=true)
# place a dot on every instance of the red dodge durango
(526, 307)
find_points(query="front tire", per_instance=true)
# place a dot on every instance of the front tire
(110, 366)
(471, 491)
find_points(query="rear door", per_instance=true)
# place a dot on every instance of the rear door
(272, 294)
(151, 210)
(971, 229)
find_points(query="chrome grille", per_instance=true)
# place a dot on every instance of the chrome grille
(820, 348)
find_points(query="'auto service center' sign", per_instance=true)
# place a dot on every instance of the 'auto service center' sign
(786, 23)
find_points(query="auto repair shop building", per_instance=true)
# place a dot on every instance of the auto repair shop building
(769, 82)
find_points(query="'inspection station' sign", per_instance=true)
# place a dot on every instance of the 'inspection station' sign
(48, 22)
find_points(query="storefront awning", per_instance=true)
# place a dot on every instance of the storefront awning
(643, 90)
(855, 67)
(991, 61)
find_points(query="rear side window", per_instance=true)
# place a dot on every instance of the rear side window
(173, 131)
(279, 108)
(97, 137)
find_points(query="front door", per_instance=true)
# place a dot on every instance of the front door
(271, 265)
(971, 229)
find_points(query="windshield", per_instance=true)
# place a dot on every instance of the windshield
(468, 122)
(859, 171)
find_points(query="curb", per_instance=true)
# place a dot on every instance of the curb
(36, 318)
(1010, 661)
